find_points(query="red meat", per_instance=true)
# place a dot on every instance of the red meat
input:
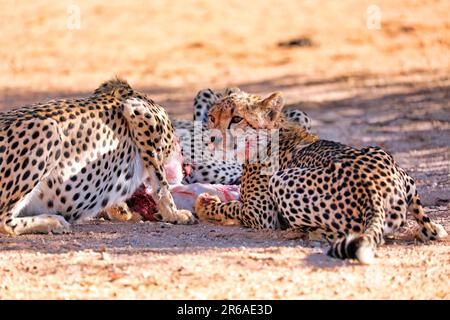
(143, 203)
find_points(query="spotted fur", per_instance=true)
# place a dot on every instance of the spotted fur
(352, 197)
(65, 160)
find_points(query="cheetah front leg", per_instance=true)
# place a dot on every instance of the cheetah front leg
(153, 135)
(167, 210)
(208, 207)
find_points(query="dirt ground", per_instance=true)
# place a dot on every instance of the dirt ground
(362, 86)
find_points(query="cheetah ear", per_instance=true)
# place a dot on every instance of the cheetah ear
(231, 90)
(273, 104)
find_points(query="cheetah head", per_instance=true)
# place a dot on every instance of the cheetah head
(241, 114)
(242, 110)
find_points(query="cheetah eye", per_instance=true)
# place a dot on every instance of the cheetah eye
(236, 119)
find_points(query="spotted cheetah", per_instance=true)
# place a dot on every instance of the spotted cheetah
(351, 196)
(204, 166)
(65, 160)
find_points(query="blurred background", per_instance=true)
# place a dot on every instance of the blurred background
(160, 45)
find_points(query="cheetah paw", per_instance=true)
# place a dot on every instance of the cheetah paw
(179, 217)
(202, 201)
(121, 212)
(56, 225)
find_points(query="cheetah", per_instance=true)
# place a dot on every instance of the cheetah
(204, 167)
(351, 197)
(65, 160)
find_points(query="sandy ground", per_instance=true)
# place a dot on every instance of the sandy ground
(388, 87)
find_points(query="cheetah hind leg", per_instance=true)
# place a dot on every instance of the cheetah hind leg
(43, 223)
(11, 223)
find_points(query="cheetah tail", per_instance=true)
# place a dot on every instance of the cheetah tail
(428, 230)
(361, 247)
